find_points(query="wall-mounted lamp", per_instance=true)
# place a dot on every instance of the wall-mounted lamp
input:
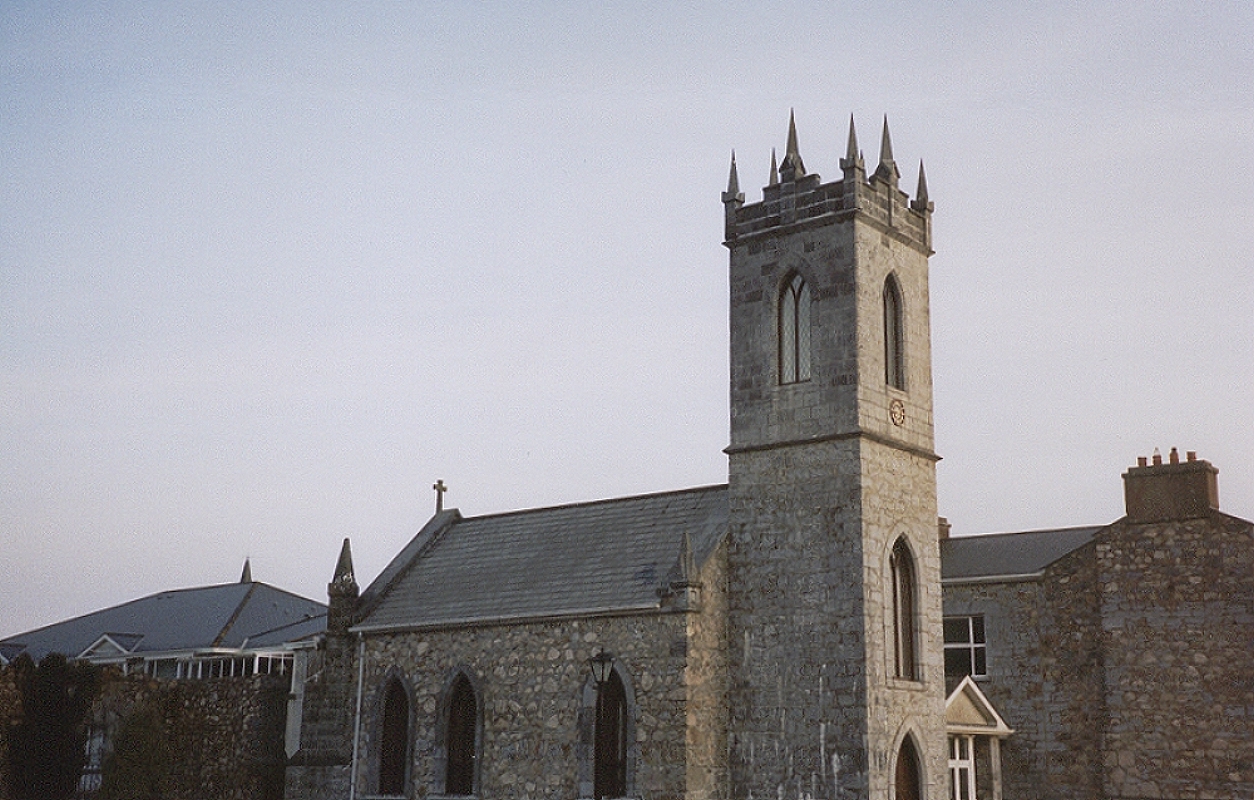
(602, 664)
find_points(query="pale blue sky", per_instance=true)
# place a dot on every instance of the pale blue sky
(266, 273)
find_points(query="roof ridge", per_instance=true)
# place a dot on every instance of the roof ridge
(969, 536)
(230, 622)
(602, 501)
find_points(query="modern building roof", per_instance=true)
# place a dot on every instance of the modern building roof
(609, 556)
(1008, 555)
(229, 616)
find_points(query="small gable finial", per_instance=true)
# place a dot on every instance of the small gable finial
(440, 489)
(774, 179)
(247, 575)
(851, 150)
(343, 582)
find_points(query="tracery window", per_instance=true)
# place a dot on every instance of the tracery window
(394, 739)
(894, 336)
(901, 564)
(794, 332)
(461, 742)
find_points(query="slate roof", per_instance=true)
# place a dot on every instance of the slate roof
(231, 615)
(600, 557)
(1007, 555)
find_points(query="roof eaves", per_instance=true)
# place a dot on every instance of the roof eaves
(512, 619)
(1013, 578)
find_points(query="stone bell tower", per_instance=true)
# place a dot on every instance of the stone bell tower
(837, 681)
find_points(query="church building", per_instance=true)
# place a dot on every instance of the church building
(808, 630)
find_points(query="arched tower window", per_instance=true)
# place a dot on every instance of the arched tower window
(794, 332)
(394, 739)
(908, 783)
(894, 336)
(610, 740)
(461, 741)
(901, 564)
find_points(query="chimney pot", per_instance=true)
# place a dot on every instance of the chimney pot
(1142, 461)
(1168, 492)
(1191, 455)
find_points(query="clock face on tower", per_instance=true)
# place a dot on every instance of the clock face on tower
(897, 411)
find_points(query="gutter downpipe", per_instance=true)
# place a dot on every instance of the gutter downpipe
(361, 676)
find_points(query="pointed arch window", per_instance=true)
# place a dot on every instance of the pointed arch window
(894, 335)
(394, 739)
(610, 740)
(794, 332)
(462, 738)
(905, 650)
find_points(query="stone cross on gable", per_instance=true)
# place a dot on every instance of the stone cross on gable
(440, 489)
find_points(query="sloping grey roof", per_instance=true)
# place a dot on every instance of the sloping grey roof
(1003, 555)
(604, 556)
(227, 615)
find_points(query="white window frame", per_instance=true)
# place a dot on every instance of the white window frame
(970, 646)
(962, 767)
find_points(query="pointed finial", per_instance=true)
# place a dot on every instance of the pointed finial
(247, 575)
(886, 145)
(793, 168)
(792, 149)
(733, 184)
(852, 164)
(887, 170)
(920, 202)
(774, 180)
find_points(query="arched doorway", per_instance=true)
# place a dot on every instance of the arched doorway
(909, 787)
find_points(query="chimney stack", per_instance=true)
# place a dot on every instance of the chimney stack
(1176, 490)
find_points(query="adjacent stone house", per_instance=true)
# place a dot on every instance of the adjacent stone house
(1123, 656)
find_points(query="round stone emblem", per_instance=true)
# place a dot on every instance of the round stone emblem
(897, 411)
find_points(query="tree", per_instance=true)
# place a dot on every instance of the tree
(46, 744)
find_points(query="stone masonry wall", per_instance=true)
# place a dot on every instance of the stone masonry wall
(798, 719)
(1072, 675)
(705, 678)
(225, 734)
(536, 695)
(903, 507)
(320, 768)
(1012, 630)
(10, 709)
(1177, 606)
